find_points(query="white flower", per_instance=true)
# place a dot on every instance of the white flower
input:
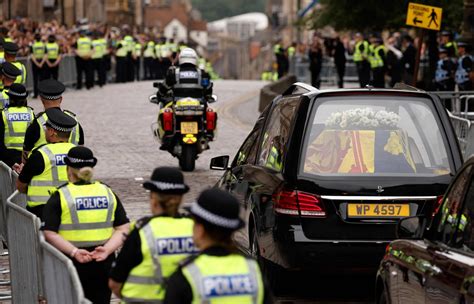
(363, 118)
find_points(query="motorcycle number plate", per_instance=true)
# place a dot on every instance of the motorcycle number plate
(189, 127)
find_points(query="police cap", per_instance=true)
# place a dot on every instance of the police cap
(59, 121)
(10, 71)
(463, 44)
(80, 157)
(17, 91)
(167, 180)
(446, 33)
(51, 89)
(10, 48)
(217, 208)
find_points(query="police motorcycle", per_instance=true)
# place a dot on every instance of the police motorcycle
(185, 125)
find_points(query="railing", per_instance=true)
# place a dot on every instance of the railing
(38, 271)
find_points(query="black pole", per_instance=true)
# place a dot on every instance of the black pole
(62, 12)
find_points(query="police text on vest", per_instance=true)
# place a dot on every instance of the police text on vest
(229, 286)
(92, 203)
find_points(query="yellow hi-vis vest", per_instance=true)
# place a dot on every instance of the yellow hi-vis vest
(149, 50)
(21, 79)
(53, 175)
(4, 99)
(84, 46)
(224, 279)
(39, 49)
(165, 241)
(99, 49)
(375, 60)
(16, 120)
(358, 55)
(73, 138)
(88, 213)
(122, 51)
(52, 49)
(137, 49)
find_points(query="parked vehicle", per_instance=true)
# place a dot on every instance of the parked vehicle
(434, 262)
(324, 176)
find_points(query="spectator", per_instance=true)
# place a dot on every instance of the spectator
(408, 59)
(315, 55)
(340, 60)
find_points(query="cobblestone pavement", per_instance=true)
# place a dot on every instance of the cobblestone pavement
(117, 124)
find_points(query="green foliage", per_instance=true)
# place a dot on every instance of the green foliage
(378, 14)
(217, 9)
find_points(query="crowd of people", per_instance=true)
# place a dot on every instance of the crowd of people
(379, 62)
(97, 49)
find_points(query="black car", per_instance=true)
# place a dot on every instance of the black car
(435, 261)
(324, 176)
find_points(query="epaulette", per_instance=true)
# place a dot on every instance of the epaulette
(69, 112)
(37, 148)
(140, 223)
(39, 114)
(185, 262)
(51, 192)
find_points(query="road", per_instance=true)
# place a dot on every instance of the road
(116, 121)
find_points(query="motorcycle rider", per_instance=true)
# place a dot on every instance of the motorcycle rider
(188, 80)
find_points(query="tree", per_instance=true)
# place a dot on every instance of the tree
(376, 15)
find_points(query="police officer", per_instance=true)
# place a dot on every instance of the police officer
(361, 59)
(137, 55)
(50, 91)
(37, 58)
(445, 69)
(8, 74)
(45, 169)
(53, 58)
(15, 120)
(129, 44)
(121, 61)
(86, 221)
(216, 217)
(166, 58)
(99, 49)
(464, 68)
(186, 74)
(149, 57)
(447, 43)
(156, 244)
(11, 49)
(83, 50)
(377, 63)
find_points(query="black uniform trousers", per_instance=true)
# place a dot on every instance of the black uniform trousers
(130, 71)
(51, 72)
(37, 77)
(148, 67)
(84, 66)
(164, 66)
(136, 68)
(363, 71)
(341, 70)
(98, 67)
(378, 77)
(120, 69)
(94, 277)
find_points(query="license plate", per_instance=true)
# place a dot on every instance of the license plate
(189, 127)
(378, 210)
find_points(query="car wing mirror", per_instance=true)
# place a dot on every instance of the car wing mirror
(153, 99)
(220, 163)
(411, 227)
(213, 98)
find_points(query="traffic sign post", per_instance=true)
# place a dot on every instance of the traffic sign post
(424, 17)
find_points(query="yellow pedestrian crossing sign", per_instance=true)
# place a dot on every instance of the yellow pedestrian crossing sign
(424, 16)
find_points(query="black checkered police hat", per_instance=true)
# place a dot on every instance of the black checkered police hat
(167, 180)
(9, 70)
(59, 121)
(51, 89)
(17, 92)
(10, 48)
(217, 208)
(80, 157)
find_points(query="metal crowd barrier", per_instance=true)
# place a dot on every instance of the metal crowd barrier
(25, 252)
(60, 279)
(462, 128)
(458, 102)
(328, 74)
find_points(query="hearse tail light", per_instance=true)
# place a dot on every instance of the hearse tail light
(286, 202)
(439, 202)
